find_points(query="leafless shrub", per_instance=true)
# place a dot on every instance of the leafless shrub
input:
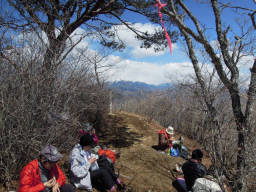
(184, 109)
(30, 115)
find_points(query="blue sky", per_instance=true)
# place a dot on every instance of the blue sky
(150, 68)
(136, 64)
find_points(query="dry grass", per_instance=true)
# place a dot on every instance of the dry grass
(142, 168)
(147, 169)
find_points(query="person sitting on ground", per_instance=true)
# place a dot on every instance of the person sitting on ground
(88, 129)
(44, 174)
(107, 157)
(193, 169)
(178, 143)
(85, 171)
(100, 150)
(165, 138)
(178, 149)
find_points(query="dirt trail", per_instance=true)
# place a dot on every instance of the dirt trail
(143, 168)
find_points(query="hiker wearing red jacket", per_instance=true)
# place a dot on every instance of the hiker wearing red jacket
(44, 174)
(165, 138)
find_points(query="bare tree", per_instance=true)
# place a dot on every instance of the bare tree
(59, 19)
(29, 120)
(233, 47)
(249, 11)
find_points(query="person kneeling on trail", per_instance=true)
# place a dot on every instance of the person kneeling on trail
(85, 170)
(44, 174)
(165, 138)
(193, 169)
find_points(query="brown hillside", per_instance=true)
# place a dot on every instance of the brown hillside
(142, 168)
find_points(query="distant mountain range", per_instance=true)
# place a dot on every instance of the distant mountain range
(130, 86)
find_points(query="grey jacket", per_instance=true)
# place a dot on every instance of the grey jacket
(205, 185)
(79, 169)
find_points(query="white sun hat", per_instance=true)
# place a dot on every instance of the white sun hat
(170, 130)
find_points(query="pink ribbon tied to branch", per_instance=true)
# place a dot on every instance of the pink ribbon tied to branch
(160, 5)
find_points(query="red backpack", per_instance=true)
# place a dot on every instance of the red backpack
(108, 153)
(163, 132)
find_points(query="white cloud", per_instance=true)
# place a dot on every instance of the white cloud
(150, 73)
(138, 52)
(147, 72)
(244, 67)
(246, 62)
(128, 37)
